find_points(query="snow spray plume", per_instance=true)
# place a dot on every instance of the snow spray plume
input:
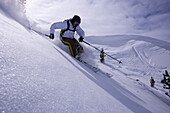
(16, 10)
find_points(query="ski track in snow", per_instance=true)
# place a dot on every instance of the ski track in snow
(139, 64)
(145, 68)
(114, 89)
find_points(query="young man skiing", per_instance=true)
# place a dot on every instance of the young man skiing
(68, 28)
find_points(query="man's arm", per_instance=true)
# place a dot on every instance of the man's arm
(80, 32)
(58, 25)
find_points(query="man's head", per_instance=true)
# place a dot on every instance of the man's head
(76, 20)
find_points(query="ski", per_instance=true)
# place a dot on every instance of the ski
(96, 69)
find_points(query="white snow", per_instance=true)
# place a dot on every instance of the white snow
(37, 75)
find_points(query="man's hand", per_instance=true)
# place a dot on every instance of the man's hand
(81, 39)
(51, 36)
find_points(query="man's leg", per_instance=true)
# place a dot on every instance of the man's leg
(73, 44)
(79, 48)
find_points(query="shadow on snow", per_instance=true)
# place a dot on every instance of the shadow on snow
(113, 88)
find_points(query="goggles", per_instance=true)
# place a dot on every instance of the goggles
(76, 23)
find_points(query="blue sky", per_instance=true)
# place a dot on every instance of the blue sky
(107, 17)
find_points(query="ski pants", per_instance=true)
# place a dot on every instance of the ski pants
(73, 45)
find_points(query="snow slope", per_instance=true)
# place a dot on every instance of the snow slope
(36, 76)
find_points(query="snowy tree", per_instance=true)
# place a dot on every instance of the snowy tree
(152, 82)
(166, 80)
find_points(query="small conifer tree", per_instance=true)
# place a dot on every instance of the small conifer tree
(166, 80)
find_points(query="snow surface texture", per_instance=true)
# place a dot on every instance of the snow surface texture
(37, 76)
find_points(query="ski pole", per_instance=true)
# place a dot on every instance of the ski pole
(91, 45)
(47, 35)
(104, 52)
(41, 33)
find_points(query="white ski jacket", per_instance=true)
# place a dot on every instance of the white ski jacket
(68, 33)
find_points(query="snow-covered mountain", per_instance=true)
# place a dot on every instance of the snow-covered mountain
(38, 75)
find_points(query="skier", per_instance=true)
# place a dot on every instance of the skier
(68, 28)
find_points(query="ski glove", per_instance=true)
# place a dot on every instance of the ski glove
(81, 39)
(51, 36)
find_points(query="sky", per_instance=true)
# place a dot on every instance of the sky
(107, 17)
